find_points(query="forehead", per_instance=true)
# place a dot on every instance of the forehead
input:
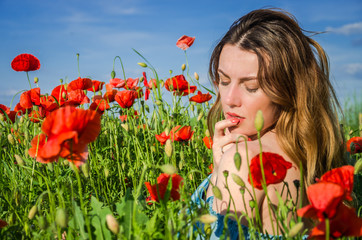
(236, 62)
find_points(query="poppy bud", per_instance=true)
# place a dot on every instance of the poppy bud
(61, 218)
(158, 102)
(32, 212)
(17, 197)
(162, 83)
(112, 224)
(192, 107)
(61, 81)
(259, 121)
(64, 95)
(167, 131)
(295, 229)
(208, 218)
(183, 67)
(217, 193)
(36, 80)
(142, 64)
(125, 126)
(237, 160)
(11, 139)
(207, 133)
(19, 160)
(358, 166)
(168, 169)
(170, 71)
(207, 103)
(168, 148)
(85, 169)
(226, 173)
(50, 167)
(147, 108)
(200, 116)
(252, 204)
(196, 76)
(42, 223)
(106, 172)
(180, 165)
(113, 74)
(238, 180)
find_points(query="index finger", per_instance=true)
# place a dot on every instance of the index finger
(224, 124)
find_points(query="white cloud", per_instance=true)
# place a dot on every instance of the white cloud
(78, 17)
(354, 68)
(348, 29)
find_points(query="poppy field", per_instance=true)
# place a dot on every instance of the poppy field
(120, 159)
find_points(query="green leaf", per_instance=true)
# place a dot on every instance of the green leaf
(77, 222)
(99, 219)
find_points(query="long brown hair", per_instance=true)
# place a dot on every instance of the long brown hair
(294, 73)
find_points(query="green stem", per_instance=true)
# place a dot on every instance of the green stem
(327, 228)
(27, 75)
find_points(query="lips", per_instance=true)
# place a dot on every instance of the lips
(230, 115)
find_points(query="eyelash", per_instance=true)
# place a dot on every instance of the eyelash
(251, 90)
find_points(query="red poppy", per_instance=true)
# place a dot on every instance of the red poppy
(117, 83)
(3, 223)
(48, 104)
(158, 190)
(80, 83)
(36, 115)
(179, 85)
(275, 169)
(30, 98)
(324, 198)
(345, 223)
(59, 93)
(5, 110)
(125, 98)
(66, 133)
(182, 134)
(25, 62)
(211, 167)
(99, 104)
(149, 200)
(185, 42)
(19, 109)
(162, 138)
(96, 86)
(149, 85)
(124, 117)
(342, 176)
(77, 97)
(354, 145)
(208, 142)
(200, 98)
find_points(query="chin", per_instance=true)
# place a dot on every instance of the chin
(237, 130)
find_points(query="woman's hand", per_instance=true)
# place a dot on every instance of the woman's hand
(223, 139)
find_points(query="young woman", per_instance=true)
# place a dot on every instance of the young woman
(266, 62)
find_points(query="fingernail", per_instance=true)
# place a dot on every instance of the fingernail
(235, 121)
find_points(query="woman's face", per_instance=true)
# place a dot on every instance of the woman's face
(240, 94)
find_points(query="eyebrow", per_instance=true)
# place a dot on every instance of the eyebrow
(240, 79)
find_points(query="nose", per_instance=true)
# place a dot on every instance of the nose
(233, 95)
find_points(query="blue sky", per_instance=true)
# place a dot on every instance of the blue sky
(56, 30)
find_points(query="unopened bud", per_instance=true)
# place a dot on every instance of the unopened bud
(180, 165)
(208, 218)
(85, 169)
(42, 222)
(295, 229)
(358, 166)
(237, 160)
(192, 107)
(207, 133)
(200, 116)
(167, 131)
(32, 212)
(168, 148)
(183, 67)
(259, 121)
(170, 71)
(125, 126)
(252, 204)
(106, 172)
(11, 139)
(113, 74)
(61, 218)
(64, 95)
(19, 160)
(238, 180)
(142, 64)
(226, 173)
(50, 166)
(196, 76)
(217, 193)
(112, 224)
(61, 81)
(168, 169)
(36, 80)
(158, 102)
(162, 83)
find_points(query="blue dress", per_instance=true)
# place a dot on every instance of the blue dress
(218, 226)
